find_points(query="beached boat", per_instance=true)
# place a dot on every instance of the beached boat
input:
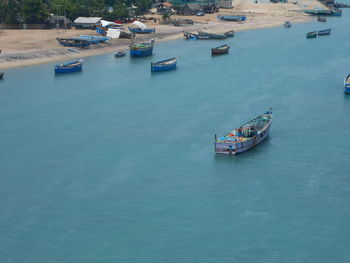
(2, 75)
(232, 18)
(164, 65)
(287, 24)
(120, 53)
(347, 84)
(321, 19)
(230, 33)
(72, 42)
(245, 137)
(311, 34)
(142, 31)
(318, 12)
(93, 39)
(69, 67)
(212, 36)
(189, 35)
(223, 49)
(324, 32)
(141, 49)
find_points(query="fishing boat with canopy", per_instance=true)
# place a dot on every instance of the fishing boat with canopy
(245, 137)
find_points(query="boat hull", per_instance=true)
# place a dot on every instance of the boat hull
(76, 66)
(324, 32)
(159, 66)
(220, 50)
(142, 31)
(141, 52)
(2, 75)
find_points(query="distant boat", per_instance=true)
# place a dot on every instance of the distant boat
(311, 34)
(137, 30)
(120, 53)
(336, 12)
(246, 136)
(69, 67)
(318, 12)
(141, 49)
(164, 65)
(2, 75)
(72, 42)
(324, 32)
(72, 50)
(232, 18)
(212, 36)
(347, 84)
(321, 19)
(189, 35)
(220, 50)
(230, 33)
(287, 24)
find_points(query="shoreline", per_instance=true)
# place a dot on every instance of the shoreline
(263, 16)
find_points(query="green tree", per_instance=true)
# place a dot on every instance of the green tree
(34, 11)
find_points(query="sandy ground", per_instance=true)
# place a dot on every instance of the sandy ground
(30, 47)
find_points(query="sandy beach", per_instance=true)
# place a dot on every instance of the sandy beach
(30, 47)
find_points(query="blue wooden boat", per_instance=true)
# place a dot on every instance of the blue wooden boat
(347, 84)
(2, 75)
(232, 18)
(312, 34)
(287, 24)
(245, 137)
(324, 32)
(120, 53)
(69, 67)
(164, 65)
(94, 39)
(72, 42)
(137, 30)
(141, 50)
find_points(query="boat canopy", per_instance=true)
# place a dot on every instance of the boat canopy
(113, 33)
(140, 25)
(105, 23)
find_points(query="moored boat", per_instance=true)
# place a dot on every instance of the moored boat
(164, 65)
(324, 32)
(93, 39)
(230, 33)
(287, 24)
(120, 53)
(141, 49)
(72, 42)
(211, 36)
(232, 18)
(2, 75)
(69, 67)
(311, 34)
(321, 19)
(223, 49)
(347, 84)
(336, 12)
(142, 31)
(245, 137)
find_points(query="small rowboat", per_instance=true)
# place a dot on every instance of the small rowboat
(287, 24)
(2, 75)
(69, 67)
(347, 84)
(312, 34)
(120, 53)
(246, 136)
(220, 50)
(230, 33)
(164, 65)
(232, 18)
(321, 19)
(324, 32)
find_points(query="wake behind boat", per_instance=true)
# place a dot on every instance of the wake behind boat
(246, 136)
(164, 65)
(69, 67)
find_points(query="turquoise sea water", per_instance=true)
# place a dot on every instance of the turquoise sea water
(115, 164)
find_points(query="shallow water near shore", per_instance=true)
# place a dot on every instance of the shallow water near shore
(115, 164)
